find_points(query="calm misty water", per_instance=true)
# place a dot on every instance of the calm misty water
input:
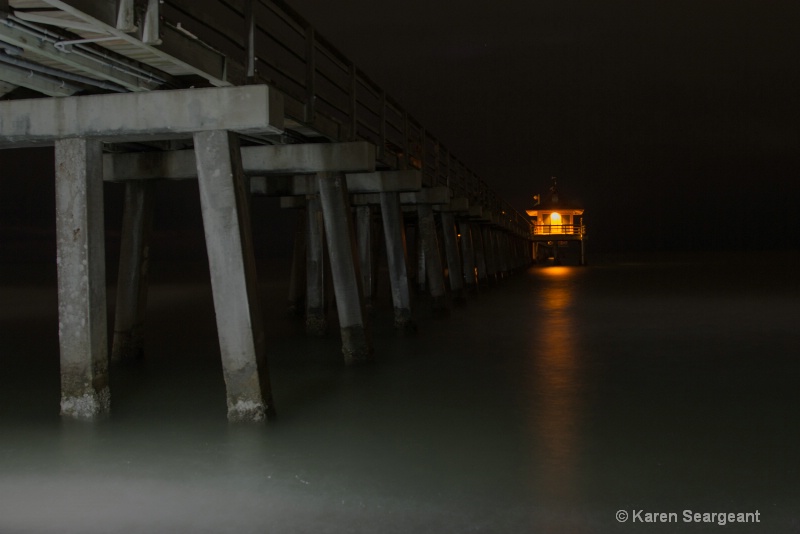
(547, 404)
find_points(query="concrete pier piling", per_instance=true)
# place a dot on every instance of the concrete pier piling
(129, 318)
(335, 247)
(224, 199)
(81, 278)
(490, 253)
(316, 317)
(397, 258)
(421, 274)
(478, 241)
(454, 274)
(297, 279)
(339, 233)
(426, 226)
(468, 256)
(366, 252)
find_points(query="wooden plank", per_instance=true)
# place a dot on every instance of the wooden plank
(59, 19)
(103, 10)
(190, 58)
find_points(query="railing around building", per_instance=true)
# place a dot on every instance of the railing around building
(577, 230)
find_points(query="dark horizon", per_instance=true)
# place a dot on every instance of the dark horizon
(674, 122)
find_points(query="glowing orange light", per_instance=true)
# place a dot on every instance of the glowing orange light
(557, 271)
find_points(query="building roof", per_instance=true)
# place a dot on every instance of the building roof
(552, 201)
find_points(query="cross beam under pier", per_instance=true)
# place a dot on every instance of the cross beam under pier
(139, 117)
(303, 158)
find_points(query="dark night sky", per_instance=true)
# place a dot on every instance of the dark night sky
(674, 120)
(676, 123)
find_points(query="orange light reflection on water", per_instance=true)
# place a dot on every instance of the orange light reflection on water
(557, 384)
(557, 271)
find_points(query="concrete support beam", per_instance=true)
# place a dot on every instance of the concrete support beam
(299, 185)
(385, 181)
(81, 279)
(476, 212)
(468, 255)
(479, 240)
(292, 203)
(455, 276)
(122, 117)
(366, 186)
(316, 317)
(357, 156)
(430, 195)
(456, 205)
(433, 259)
(137, 222)
(356, 345)
(224, 199)
(397, 258)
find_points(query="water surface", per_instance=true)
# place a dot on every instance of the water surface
(548, 403)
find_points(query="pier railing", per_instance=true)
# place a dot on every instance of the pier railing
(238, 42)
(287, 52)
(559, 229)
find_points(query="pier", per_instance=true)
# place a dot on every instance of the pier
(245, 98)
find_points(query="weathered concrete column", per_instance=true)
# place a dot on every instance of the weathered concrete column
(450, 237)
(504, 253)
(490, 251)
(525, 252)
(495, 255)
(518, 260)
(480, 252)
(433, 259)
(224, 199)
(396, 255)
(583, 253)
(468, 255)
(137, 223)
(519, 252)
(422, 269)
(82, 329)
(297, 278)
(316, 317)
(365, 252)
(356, 345)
